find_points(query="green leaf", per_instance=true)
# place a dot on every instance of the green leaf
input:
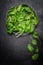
(35, 57)
(35, 35)
(34, 42)
(30, 48)
(37, 50)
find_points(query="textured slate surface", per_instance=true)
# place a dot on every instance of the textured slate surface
(14, 50)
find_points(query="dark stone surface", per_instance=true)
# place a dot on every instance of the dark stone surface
(14, 50)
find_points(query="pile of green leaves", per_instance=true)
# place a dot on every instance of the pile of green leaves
(21, 19)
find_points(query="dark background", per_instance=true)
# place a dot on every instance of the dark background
(13, 50)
